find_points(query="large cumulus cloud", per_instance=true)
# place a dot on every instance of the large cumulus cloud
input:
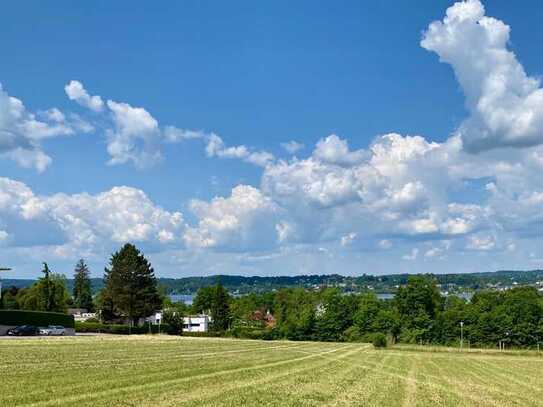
(505, 104)
(399, 186)
(246, 220)
(91, 224)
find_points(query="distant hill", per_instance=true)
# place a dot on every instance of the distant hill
(385, 283)
(96, 283)
(19, 283)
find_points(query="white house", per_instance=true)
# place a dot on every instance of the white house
(82, 317)
(81, 314)
(155, 319)
(191, 323)
(196, 323)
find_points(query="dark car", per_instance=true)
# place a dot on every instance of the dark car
(24, 330)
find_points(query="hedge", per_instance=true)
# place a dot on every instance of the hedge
(252, 333)
(208, 334)
(38, 318)
(119, 329)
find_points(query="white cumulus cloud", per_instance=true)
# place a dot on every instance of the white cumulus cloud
(246, 219)
(216, 148)
(22, 132)
(292, 147)
(134, 137)
(91, 223)
(505, 104)
(79, 94)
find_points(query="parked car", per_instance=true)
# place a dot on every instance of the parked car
(23, 330)
(53, 330)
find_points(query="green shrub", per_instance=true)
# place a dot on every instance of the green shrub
(379, 340)
(119, 329)
(270, 334)
(164, 328)
(175, 321)
(38, 318)
(352, 334)
(203, 334)
(249, 333)
(98, 327)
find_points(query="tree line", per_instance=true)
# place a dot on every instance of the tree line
(49, 293)
(130, 293)
(130, 290)
(418, 313)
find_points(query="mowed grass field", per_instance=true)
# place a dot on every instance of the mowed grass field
(174, 371)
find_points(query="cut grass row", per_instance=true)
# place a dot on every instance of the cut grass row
(170, 371)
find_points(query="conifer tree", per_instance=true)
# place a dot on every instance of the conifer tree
(47, 294)
(130, 285)
(220, 309)
(82, 293)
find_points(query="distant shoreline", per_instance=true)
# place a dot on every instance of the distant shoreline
(237, 284)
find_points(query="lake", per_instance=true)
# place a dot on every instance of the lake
(385, 296)
(186, 298)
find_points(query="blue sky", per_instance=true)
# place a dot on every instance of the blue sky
(243, 79)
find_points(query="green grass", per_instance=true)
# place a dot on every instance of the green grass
(172, 371)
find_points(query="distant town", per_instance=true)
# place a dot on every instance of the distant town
(462, 284)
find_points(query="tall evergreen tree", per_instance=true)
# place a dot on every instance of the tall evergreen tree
(220, 309)
(130, 285)
(46, 293)
(82, 293)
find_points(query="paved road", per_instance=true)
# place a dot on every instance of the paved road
(82, 334)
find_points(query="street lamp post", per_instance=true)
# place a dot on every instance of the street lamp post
(504, 341)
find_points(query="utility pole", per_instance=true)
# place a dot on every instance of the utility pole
(461, 334)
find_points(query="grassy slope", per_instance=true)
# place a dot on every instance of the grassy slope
(168, 371)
